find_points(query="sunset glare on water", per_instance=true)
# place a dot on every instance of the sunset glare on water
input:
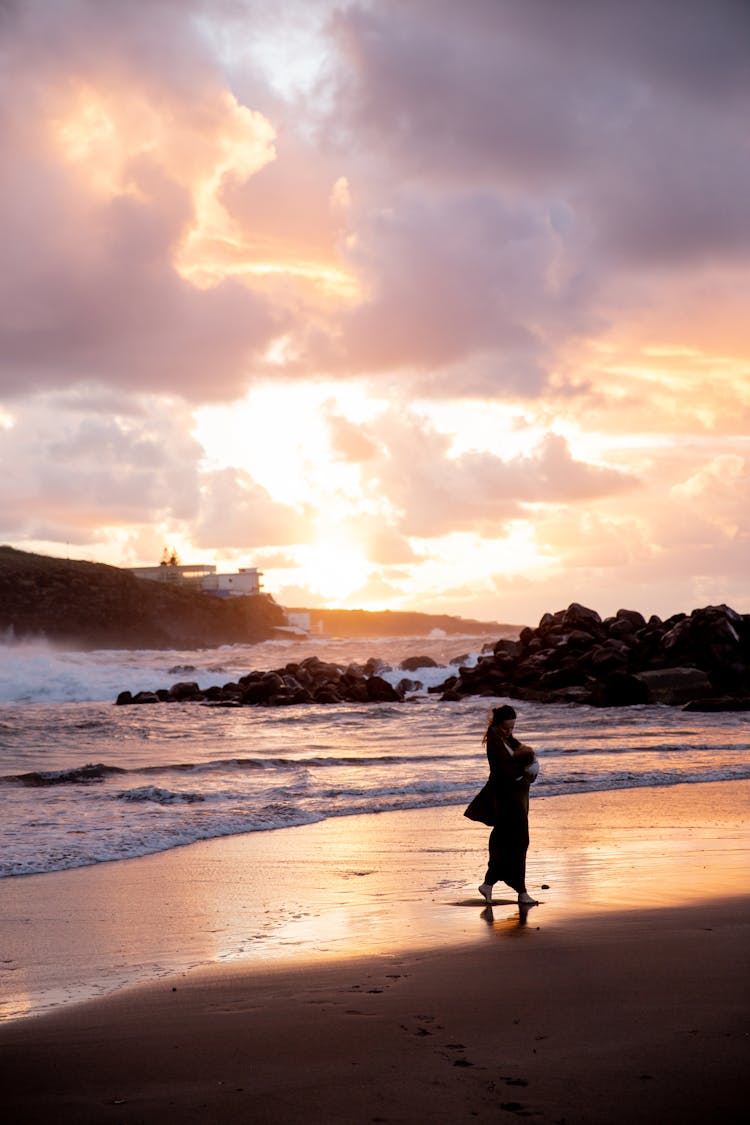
(423, 305)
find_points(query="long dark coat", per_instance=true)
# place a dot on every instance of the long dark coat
(503, 803)
(506, 787)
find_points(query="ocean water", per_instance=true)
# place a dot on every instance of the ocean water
(83, 781)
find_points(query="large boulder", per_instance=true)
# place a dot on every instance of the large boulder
(633, 617)
(620, 690)
(719, 703)
(185, 690)
(413, 663)
(579, 616)
(675, 685)
(380, 691)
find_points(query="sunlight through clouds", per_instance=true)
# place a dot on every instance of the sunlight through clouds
(433, 307)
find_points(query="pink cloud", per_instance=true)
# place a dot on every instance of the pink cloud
(237, 512)
(436, 493)
(68, 472)
(118, 115)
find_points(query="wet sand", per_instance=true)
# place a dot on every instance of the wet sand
(348, 971)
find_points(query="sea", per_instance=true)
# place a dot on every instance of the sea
(84, 781)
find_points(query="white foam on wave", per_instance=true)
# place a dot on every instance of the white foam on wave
(41, 672)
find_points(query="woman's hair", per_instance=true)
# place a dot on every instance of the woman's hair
(499, 715)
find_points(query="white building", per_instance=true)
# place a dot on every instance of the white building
(246, 581)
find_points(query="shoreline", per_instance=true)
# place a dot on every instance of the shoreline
(371, 883)
(348, 971)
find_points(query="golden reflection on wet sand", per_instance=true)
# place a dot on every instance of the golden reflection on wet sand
(374, 884)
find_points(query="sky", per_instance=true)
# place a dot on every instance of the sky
(410, 304)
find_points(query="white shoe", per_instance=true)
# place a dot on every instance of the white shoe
(486, 892)
(525, 899)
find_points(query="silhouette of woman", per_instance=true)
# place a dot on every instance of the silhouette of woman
(504, 804)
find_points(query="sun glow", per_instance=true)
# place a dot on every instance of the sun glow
(334, 566)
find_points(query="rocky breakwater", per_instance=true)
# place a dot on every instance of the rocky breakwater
(700, 661)
(310, 681)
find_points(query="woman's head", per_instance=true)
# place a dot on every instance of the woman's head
(502, 719)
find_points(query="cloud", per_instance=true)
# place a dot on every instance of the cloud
(348, 441)
(496, 205)
(237, 512)
(69, 472)
(435, 493)
(450, 279)
(117, 141)
(171, 218)
(78, 465)
(275, 560)
(300, 597)
(524, 174)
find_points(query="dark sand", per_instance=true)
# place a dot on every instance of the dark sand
(348, 972)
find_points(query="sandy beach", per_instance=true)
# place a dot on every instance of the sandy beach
(348, 971)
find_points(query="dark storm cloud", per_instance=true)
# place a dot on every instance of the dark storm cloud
(632, 114)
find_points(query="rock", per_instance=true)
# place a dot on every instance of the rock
(572, 657)
(606, 659)
(145, 697)
(380, 691)
(620, 690)
(675, 685)
(447, 685)
(412, 663)
(719, 703)
(186, 689)
(405, 685)
(327, 694)
(123, 698)
(214, 694)
(620, 627)
(636, 619)
(579, 616)
(354, 688)
(257, 692)
(577, 638)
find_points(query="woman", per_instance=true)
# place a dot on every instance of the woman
(504, 804)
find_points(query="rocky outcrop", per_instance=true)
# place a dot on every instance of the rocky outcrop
(89, 605)
(310, 681)
(573, 656)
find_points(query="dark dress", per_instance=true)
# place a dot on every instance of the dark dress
(504, 803)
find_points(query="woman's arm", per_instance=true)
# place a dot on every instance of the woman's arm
(503, 764)
(507, 767)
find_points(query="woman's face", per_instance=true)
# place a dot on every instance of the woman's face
(506, 728)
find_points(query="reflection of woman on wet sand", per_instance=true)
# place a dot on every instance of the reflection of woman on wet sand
(504, 804)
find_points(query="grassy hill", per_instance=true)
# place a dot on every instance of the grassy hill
(90, 605)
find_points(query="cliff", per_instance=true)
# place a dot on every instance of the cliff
(90, 605)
